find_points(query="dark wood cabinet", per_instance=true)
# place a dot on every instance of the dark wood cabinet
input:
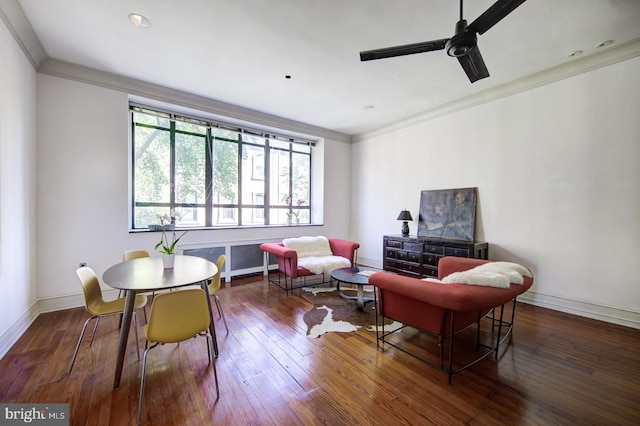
(418, 257)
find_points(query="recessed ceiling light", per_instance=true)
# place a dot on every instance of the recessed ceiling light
(604, 44)
(139, 20)
(574, 54)
(287, 76)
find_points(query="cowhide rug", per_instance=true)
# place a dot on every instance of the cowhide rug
(334, 313)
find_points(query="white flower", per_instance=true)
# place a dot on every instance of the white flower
(163, 218)
(176, 214)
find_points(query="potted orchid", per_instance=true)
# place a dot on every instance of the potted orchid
(167, 245)
(294, 215)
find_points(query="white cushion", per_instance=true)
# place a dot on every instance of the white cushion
(309, 246)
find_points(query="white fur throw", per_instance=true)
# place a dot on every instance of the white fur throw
(323, 264)
(309, 246)
(492, 274)
(432, 280)
(506, 267)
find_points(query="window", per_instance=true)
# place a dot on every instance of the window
(215, 174)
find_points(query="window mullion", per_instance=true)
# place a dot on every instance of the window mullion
(132, 216)
(267, 186)
(291, 178)
(172, 165)
(209, 162)
(239, 183)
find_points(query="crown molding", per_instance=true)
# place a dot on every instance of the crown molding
(611, 55)
(19, 26)
(140, 88)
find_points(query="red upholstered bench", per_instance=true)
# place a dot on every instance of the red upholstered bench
(438, 308)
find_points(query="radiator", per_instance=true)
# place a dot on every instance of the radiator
(243, 257)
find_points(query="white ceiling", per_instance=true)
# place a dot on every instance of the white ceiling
(239, 52)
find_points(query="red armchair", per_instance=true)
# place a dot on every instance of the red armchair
(288, 269)
(438, 309)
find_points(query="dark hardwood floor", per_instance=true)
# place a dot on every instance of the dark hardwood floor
(557, 369)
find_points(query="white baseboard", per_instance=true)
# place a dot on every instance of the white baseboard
(11, 335)
(372, 263)
(59, 303)
(610, 314)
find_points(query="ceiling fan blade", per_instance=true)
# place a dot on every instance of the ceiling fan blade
(473, 65)
(406, 49)
(493, 15)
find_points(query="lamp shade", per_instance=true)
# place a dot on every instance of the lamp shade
(405, 215)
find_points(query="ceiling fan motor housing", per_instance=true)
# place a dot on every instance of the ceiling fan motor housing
(463, 42)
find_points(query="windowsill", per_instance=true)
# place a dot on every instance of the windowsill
(220, 228)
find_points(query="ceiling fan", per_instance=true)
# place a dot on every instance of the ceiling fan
(463, 45)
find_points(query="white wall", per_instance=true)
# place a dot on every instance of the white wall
(83, 189)
(17, 191)
(558, 176)
(556, 167)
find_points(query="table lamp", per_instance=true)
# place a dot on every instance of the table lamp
(404, 216)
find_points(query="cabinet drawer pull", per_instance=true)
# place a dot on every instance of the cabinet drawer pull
(434, 249)
(459, 252)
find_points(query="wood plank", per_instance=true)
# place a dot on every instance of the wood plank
(556, 369)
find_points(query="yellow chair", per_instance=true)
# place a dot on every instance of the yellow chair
(214, 286)
(98, 307)
(134, 254)
(130, 255)
(175, 317)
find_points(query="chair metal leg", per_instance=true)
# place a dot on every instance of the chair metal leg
(217, 305)
(75, 353)
(500, 330)
(135, 328)
(221, 311)
(209, 352)
(144, 372)
(450, 369)
(213, 363)
(95, 327)
(93, 335)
